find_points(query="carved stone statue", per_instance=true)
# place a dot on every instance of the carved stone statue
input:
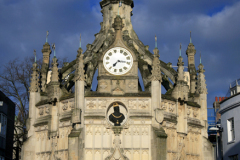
(116, 117)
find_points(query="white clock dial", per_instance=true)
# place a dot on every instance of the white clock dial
(118, 61)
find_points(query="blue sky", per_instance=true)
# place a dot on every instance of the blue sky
(215, 27)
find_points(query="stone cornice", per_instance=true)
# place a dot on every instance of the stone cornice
(107, 2)
(97, 94)
(42, 120)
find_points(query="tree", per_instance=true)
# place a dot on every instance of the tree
(15, 82)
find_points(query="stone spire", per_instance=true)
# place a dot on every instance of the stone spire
(181, 89)
(79, 88)
(156, 71)
(180, 65)
(46, 51)
(79, 73)
(54, 75)
(191, 51)
(34, 80)
(201, 83)
(53, 87)
(156, 80)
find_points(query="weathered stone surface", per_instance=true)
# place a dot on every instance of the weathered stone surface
(67, 120)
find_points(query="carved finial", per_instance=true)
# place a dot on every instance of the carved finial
(80, 45)
(190, 36)
(180, 50)
(34, 78)
(79, 73)
(54, 47)
(47, 36)
(118, 24)
(34, 52)
(156, 42)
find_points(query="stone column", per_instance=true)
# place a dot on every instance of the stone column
(79, 90)
(75, 139)
(156, 80)
(202, 91)
(34, 97)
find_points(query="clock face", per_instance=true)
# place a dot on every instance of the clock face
(118, 61)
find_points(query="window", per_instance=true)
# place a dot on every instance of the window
(3, 125)
(235, 157)
(230, 128)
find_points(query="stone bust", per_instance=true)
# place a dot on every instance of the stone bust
(116, 117)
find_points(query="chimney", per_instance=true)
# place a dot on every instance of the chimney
(216, 99)
(220, 99)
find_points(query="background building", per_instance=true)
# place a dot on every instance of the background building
(214, 121)
(7, 114)
(230, 122)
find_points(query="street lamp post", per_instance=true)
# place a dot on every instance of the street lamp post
(215, 129)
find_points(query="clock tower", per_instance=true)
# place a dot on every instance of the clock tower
(120, 120)
(118, 65)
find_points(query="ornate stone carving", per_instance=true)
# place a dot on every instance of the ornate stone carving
(132, 104)
(201, 83)
(195, 113)
(156, 72)
(132, 85)
(72, 105)
(34, 80)
(54, 76)
(47, 110)
(103, 85)
(65, 107)
(79, 73)
(102, 103)
(164, 105)
(41, 111)
(91, 104)
(143, 104)
(171, 107)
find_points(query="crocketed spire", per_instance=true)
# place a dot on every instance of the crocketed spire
(79, 73)
(34, 80)
(156, 69)
(181, 88)
(201, 83)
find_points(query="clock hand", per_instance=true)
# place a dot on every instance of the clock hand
(115, 64)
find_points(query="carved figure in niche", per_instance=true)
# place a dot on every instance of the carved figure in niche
(116, 117)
